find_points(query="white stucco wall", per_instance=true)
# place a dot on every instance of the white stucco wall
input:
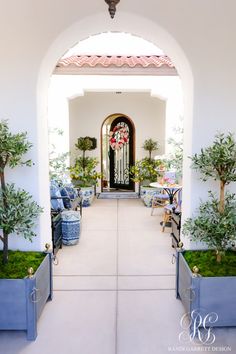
(199, 36)
(64, 87)
(87, 114)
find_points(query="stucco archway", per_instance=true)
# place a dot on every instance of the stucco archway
(95, 24)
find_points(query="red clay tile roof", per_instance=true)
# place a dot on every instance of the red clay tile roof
(143, 61)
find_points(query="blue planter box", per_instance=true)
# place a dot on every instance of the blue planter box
(22, 300)
(206, 295)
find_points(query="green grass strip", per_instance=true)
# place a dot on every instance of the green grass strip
(18, 264)
(207, 264)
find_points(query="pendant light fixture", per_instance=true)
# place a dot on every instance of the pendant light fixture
(112, 6)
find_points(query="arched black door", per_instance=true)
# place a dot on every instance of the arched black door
(121, 153)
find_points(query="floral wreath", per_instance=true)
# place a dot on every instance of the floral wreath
(119, 137)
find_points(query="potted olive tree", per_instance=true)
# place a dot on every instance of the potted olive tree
(206, 279)
(83, 173)
(145, 171)
(25, 277)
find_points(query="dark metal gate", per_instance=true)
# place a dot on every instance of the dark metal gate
(121, 153)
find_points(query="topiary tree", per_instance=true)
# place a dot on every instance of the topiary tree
(215, 223)
(85, 144)
(17, 209)
(84, 171)
(150, 145)
(146, 169)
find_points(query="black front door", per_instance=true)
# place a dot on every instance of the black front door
(121, 153)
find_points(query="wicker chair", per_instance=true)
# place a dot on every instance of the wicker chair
(169, 208)
(159, 201)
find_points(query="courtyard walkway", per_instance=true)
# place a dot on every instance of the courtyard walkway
(114, 291)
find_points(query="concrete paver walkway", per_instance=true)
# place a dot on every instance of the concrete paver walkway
(114, 291)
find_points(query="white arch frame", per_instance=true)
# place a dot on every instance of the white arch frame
(95, 24)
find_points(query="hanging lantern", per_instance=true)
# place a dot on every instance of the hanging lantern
(112, 6)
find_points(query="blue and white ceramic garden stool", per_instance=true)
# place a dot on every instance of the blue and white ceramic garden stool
(70, 227)
(88, 195)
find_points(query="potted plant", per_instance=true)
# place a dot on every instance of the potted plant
(145, 171)
(175, 157)
(206, 279)
(83, 173)
(25, 277)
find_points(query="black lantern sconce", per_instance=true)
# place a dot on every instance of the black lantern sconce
(112, 6)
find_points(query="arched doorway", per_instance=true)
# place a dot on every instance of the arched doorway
(117, 152)
(84, 28)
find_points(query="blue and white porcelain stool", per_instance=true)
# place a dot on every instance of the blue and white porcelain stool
(88, 195)
(70, 227)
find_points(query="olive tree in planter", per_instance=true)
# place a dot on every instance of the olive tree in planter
(206, 279)
(83, 173)
(22, 297)
(145, 171)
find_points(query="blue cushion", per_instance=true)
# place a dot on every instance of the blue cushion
(66, 201)
(169, 207)
(161, 196)
(54, 183)
(56, 204)
(172, 208)
(73, 194)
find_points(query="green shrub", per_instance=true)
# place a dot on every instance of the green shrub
(205, 261)
(215, 222)
(18, 211)
(83, 172)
